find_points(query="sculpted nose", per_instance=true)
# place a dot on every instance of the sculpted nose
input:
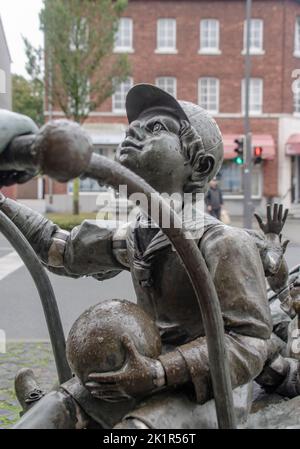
(135, 130)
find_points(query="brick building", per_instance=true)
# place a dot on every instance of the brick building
(195, 50)
(5, 86)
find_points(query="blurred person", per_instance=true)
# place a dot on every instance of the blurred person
(214, 199)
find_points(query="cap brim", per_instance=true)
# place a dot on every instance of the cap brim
(143, 98)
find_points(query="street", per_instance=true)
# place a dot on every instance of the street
(21, 313)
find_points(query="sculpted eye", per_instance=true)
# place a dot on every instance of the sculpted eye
(157, 127)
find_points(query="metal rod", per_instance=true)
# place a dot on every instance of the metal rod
(247, 175)
(111, 173)
(46, 293)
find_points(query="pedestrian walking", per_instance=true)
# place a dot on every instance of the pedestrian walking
(214, 199)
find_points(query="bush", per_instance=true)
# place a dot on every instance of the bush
(69, 221)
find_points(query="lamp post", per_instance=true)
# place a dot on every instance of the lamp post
(247, 178)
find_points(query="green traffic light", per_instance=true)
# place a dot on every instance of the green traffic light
(239, 160)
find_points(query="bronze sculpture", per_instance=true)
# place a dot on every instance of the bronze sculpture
(175, 147)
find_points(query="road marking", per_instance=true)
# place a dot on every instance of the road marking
(9, 264)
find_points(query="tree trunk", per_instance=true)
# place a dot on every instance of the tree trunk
(76, 184)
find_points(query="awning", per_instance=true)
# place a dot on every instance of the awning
(106, 134)
(292, 146)
(265, 141)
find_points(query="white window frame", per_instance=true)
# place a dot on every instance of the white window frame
(163, 80)
(254, 50)
(162, 48)
(210, 110)
(122, 110)
(297, 38)
(124, 48)
(209, 50)
(296, 98)
(261, 95)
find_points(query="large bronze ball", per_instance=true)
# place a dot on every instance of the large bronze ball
(65, 149)
(95, 342)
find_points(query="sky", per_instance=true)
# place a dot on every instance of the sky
(21, 18)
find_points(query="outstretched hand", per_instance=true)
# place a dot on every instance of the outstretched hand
(274, 222)
(136, 377)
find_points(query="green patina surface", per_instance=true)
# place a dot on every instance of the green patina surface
(35, 355)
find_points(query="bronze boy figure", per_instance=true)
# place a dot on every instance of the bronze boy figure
(177, 148)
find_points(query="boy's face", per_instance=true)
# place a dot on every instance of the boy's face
(151, 149)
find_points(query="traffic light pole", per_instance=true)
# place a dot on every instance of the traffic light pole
(247, 168)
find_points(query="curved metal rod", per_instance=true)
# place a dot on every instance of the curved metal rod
(109, 172)
(294, 269)
(46, 293)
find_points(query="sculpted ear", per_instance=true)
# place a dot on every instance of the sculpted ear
(206, 165)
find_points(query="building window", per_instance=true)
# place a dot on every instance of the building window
(256, 36)
(119, 97)
(231, 179)
(124, 36)
(208, 94)
(209, 36)
(296, 90)
(297, 37)
(255, 96)
(167, 83)
(166, 36)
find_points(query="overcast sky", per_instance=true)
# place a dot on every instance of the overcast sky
(20, 18)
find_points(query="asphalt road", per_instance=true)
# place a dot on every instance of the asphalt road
(21, 314)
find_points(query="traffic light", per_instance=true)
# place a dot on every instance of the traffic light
(257, 155)
(239, 149)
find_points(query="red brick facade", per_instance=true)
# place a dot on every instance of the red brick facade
(275, 66)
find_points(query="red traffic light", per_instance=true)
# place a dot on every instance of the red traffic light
(258, 151)
(257, 155)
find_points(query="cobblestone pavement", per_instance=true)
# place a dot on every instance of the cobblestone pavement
(35, 355)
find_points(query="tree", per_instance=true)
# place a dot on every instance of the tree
(28, 98)
(81, 71)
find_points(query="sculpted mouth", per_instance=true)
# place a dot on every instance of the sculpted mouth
(129, 144)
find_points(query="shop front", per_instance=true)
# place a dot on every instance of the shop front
(231, 173)
(293, 150)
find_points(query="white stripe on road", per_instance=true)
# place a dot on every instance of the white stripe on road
(9, 264)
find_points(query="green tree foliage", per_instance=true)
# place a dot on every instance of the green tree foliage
(79, 39)
(80, 69)
(28, 98)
